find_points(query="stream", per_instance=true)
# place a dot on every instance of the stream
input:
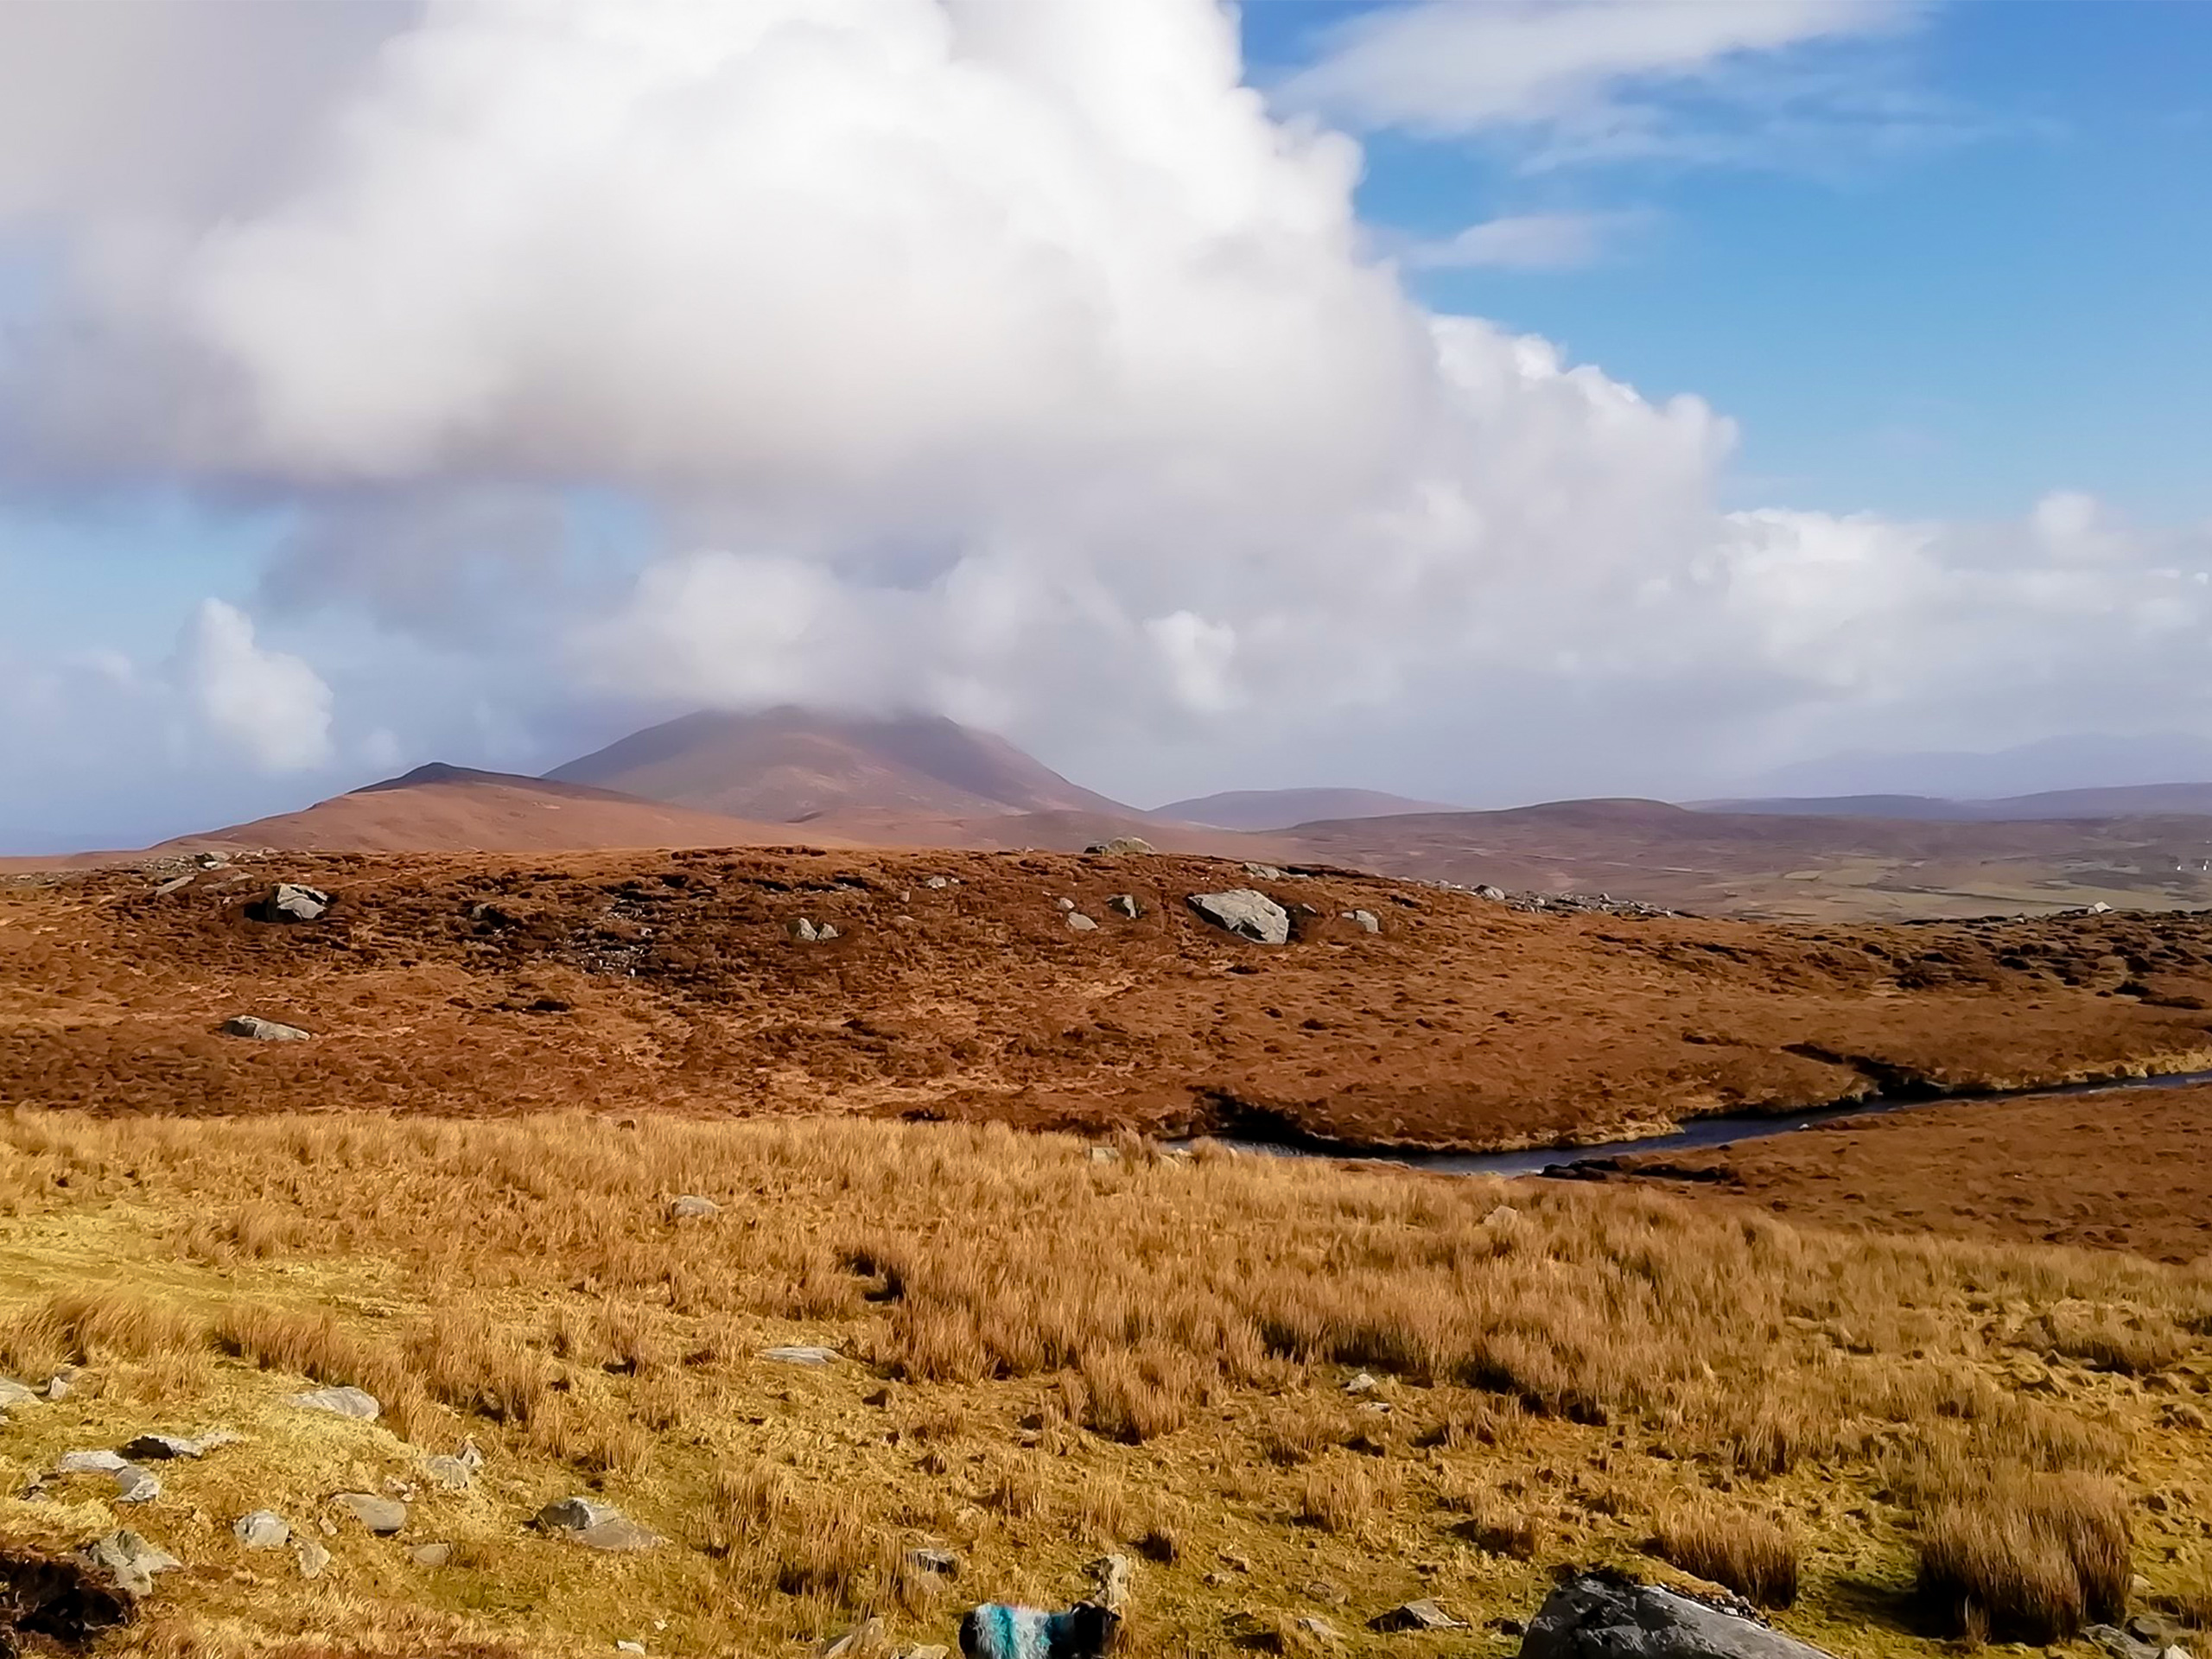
(1705, 1133)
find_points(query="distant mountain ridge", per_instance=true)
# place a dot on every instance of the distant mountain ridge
(2124, 801)
(795, 765)
(1282, 808)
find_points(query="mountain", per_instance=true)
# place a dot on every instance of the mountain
(795, 765)
(2078, 761)
(1280, 808)
(441, 808)
(2127, 801)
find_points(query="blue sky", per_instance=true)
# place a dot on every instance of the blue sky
(1989, 284)
(354, 413)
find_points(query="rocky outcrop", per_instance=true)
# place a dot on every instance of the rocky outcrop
(288, 902)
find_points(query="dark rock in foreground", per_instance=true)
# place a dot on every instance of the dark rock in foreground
(1609, 1615)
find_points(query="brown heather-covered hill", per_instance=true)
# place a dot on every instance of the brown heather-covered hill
(442, 809)
(669, 983)
(800, 766)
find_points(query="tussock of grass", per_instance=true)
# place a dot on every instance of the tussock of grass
(1749, 1552)
(2025, 1556)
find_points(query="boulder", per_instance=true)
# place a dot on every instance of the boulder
(1119, 846)
(1079, 922)
(15, 1393)
(356, 1403)
(936, 882)
(89, 1463)
(431, 1554)
(1422, 1615)
(212, 860)
(1064, 904)
(1248, 914)
(263, 1031)
(1496, 895)
(312, 1557)
(939, 1563)
(869, 1635)
(262, 1529)
(1125, 904)
(691, 1207)
(1366, 921)
(620, 1535)
(174, 884)
(128, 1560)
(575, 1515)
(290, 902)
(157, 1447)
(380, 1514)
(796, 1354)
(1361, 1382)
(136, 1485)
(1109, 1581)
(455, 1474)
(59, 1385)
(1265, 873)
(1320, 1630)
(1607, 1614)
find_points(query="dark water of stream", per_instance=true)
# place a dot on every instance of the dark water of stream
(1706, 1133)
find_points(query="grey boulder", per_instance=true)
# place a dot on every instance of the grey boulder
(575, 1515)
(1365, 920)
(431, 1554)
(136, 1485)
(806, 931)
(263, 1031)
(691, 1206)
(455, 1474)
(153, 1447)
(797, 1355)
(378, 1515)
(15, 1393)
(1609, 1616)
(1125, 904)
(1079, 922)
(89, 1463)
(127, 1560)
(1248, 914)
(262, 1529)
(1422, 1615)
(1119, 845)
(312, 1556)
(290, 902)
(356, 1403)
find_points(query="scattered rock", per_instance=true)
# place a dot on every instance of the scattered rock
(937, 881)
(1248, 914)
(691, 1207)
(1125, 906)
(799, 1355)
(136, 1485)
(942, 1563)
(1321, 1590)
(1265, 873)
(290, 902)
(629, 1647)
(59, 1385)
(380, 1514)
(1065, 904)
(177, 1445)
(356, 1403)
(806, 932)
(1079, 922)
(1362, 1383)
(2156, 1629)
(935, 1651)
(436, 1555)
(1496, 895)
(1603, 1614)
(127, 1561)
(575, 1515)
(312, 1556)
(2118, 1644)
(90, 1463)
(620, 1535)
(15, 1393)
(1422, 1615)
(1320, 1629)
(1118, 845)
(1105, 1155)
(1365, 920)
(212, 860)
(263, 1529)
(263, 1031)
(174, 884)
(452, 1473)
(867, 1636)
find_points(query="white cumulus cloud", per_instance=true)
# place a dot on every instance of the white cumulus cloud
(268, 705)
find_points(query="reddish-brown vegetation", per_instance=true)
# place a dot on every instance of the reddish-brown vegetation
(669, 983)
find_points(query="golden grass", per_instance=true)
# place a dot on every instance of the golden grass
(1049, 1357)
(1745, 1550)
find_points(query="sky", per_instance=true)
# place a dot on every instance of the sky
(1490, 400)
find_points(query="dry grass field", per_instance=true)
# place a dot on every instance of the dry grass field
(1046, 1353)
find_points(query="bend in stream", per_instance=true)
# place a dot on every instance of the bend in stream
(1701, 1134)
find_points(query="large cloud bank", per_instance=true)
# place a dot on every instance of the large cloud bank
(1012, 358)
